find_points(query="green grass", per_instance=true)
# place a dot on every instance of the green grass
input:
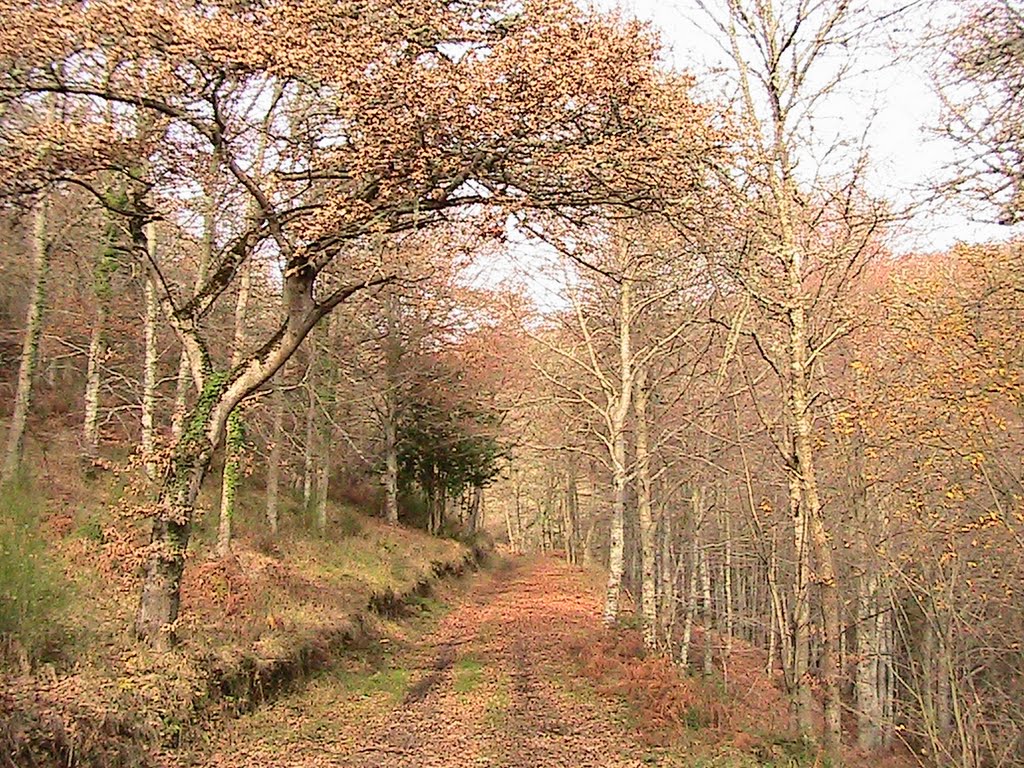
(468, 673)
(497, 705)
(393, 682)
(771, 751)
(33, 590)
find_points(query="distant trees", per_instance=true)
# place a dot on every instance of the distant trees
(918, 419)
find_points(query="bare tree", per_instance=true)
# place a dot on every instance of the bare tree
(983, 101)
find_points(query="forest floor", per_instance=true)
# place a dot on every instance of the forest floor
(518, 672)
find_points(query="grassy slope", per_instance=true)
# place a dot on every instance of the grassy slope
(273, 609)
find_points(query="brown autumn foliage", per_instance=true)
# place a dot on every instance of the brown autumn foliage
(354, 161)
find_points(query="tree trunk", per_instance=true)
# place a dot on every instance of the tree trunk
(616, 541)
(667, 595)
(516, 528)
(708, 612)
(777, 635)
(648, 525)
(511, 534)
(185, 377)
(727, 587)
(180, 409)
(442, 508)
(822, 546)
(390, 459)
(161, 590)
(801, 616)
(91, 423)
(161, 587)
(323, 477)
(274, 459)
(869, 715)
(103, 272)
(392, 363)
(149, 372)
(572, 517)
(476, 509)
(618, 408)
(30, 345)
(886, 677)
(309, 460)
(234, 444)
(697, 519)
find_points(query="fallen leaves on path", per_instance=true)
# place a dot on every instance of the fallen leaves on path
(495, 684)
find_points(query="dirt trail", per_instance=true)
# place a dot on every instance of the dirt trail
(494, 684)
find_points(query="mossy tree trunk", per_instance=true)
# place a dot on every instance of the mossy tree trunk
(220, 392)
(161, 588)
(234, 445)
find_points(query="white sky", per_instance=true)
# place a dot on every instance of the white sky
(897, 90)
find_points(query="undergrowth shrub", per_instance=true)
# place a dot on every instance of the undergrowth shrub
(413, 509)
(33, 590)
(347, 523)
(666, 700)
(359, 492)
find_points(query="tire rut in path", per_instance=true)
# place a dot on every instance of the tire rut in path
(519, 706)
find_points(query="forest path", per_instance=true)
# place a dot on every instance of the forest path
(494, 683)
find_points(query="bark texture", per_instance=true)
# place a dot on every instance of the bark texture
(30, 344)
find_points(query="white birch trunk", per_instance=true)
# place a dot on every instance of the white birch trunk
(180, 396)
(30, 345)
(708, 612)
(730, 627)
(91, 422)
(392, 359)
(323, 477)
(801, 616)
(149, 371)
(697, 506)
(869, 715)
(618, 408)
(667, 595)
(648, 526)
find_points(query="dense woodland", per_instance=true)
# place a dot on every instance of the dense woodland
(246, 248)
